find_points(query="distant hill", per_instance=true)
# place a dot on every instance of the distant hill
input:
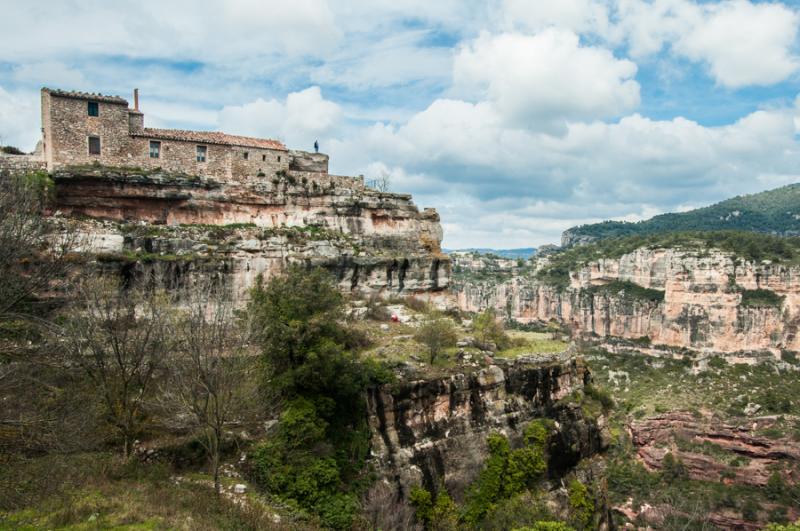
(774, 211)
(525, 252)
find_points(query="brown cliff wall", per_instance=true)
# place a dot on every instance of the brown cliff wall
(701, 307)
(182, 225)
(433, 432)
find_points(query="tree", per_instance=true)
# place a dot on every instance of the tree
(297, 324)
(436, 333)
(33, 248)
(33, 252)
(119, 337)
(211, 373)
(489, 330)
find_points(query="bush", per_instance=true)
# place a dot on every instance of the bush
(581, 504)
(488, 329)
(507, 473)
(761, 298)
(599, 395)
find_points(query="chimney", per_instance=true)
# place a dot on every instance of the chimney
(135, 99)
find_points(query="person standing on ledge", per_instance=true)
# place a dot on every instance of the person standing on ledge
(316, 146)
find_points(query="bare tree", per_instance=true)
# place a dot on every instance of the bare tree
(119, 337)
(211, 374)
(383, 181)
(33, 252)
(32, 248)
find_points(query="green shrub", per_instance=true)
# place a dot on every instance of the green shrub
(761, 298)
(776, 486)
(507, 472)
(488, 329)
(546, 526)
(628, 291)
(581, 504)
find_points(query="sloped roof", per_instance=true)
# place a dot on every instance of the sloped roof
(211, 137)
(75, 94)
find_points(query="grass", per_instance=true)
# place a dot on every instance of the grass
(96, 491)
(532, 343)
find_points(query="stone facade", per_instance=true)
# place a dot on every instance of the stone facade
(73, 120)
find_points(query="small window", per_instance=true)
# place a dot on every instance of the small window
(94, 145)
(246, 155)
(201, 153)
(155, 149)
(263, 158)
(94, 108)
(279, 158)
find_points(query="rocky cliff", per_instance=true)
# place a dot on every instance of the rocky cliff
(432, 432)
(143, 222)
(706, 300)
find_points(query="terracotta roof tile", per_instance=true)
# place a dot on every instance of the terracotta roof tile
(86, 96)
(211, 137)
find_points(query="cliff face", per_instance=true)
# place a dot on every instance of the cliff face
(690, 300)
(433, 432)
(180, 225)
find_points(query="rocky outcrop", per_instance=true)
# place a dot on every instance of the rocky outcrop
(711, 450)
(433, 432)
(179, 225)
(675, 298)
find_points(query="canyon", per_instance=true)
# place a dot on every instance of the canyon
(671, 297)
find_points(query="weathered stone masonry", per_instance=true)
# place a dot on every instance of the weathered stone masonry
(71, 119)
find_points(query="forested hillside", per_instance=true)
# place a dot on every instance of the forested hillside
(774, 211)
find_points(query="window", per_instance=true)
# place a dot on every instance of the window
(94, 145)
(94, 108)
(246, 155)
(201, 153)
(279, 158)
(155, 149)
(264, 158)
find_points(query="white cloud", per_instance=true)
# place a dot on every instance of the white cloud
(580, 16)
(742, 43)
(745, 44)
(542, 81)
(303, 117)
(19, 119)
(195, 30)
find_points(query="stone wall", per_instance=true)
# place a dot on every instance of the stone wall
(20, 164)
(305, 161)
(68, 126)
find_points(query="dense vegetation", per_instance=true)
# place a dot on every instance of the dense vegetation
(773, 212)
(743, 245)
(507, 493)
(316, 460)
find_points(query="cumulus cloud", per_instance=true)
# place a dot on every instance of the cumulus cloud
(303, 117)
(742, 43)
(208, 30)
(544, 80)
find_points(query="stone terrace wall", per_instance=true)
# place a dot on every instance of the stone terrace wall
(19, 164)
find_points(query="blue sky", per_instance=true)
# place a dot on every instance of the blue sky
(516, 119)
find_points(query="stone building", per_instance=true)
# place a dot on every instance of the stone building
(80, 128)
